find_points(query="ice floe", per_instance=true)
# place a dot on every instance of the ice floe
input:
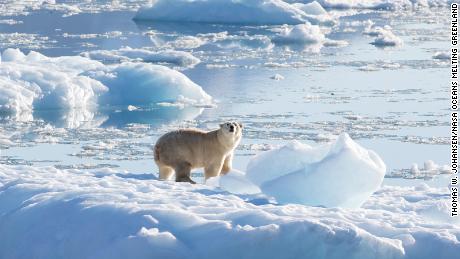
(277, 77)
(384, 36)
(300, 34)
(378, 4)
(429, 170)
(223, 11)
(441, 55)
(177, 58)
(34, 82)
(342, 174)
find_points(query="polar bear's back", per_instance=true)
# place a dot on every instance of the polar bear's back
(184, 145)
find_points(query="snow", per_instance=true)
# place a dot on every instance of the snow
(342, 174)
(228, 12)
(234, 181)
(116, 214)
(178, 58)
(34, 81)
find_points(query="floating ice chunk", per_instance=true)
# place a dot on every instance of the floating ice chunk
(414, 169)
(345, 176)
(224, 11)
(300, 34)
(430, 165)
(441, 55)
(146, 84)
(387, 38)
(378, 4)
(234, 181)
(178, 58)
(335, 43)
(313, 8)
(289, 158)
(188, 42)
(384, 36)
(10, 21)
(277, 77)
(132, 108)
(34, 82)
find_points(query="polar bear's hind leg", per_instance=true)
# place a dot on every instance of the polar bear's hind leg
(165, 172)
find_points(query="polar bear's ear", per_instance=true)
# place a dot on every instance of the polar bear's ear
(240, 124)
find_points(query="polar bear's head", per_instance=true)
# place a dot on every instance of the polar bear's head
(232, 131)
(232, 127)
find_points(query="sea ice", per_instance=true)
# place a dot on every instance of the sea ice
(441, 55)
(224, 11)
(342, 174)
(34, 82)
(378, 4)
(300, 34)
(384, 36)
(277, 77)
(177, 58)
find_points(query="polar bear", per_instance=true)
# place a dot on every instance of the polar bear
(183, 150)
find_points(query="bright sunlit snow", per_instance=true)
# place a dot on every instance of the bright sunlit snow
(345, 145)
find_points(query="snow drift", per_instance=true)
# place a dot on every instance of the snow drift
(51, 213)
(34, 82)
(224, 11)
(343, 174)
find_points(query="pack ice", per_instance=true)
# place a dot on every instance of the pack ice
(34, 81)
(341, 174)
(231, 12)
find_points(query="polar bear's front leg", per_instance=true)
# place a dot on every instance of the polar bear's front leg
(213, 169)
(227, 164)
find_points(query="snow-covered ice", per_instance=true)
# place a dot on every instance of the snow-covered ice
(34, 81)
(85, 116)
(235, 182)
(342, 174)
(441, 55)
(113, 214)
(300, 34)
(384, 36)
(223, 11)
(277, 77)
(378, 4)
(177, 58)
